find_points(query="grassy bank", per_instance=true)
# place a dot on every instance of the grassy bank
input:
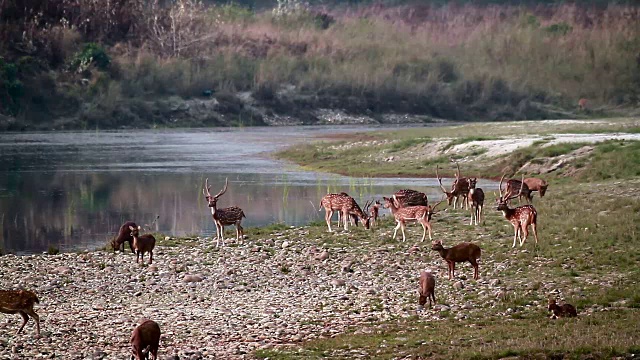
(416, 152)
(493, 62)
(588, 249)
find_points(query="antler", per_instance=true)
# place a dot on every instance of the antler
(207, 187)
(366, 206)
(458, 171)
(224, 190)
(433, 208)
(440, 181)
(500, 186)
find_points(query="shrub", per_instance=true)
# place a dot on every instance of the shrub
(11, 88)
(91, 54)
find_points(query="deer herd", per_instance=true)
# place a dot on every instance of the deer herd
(405, 205)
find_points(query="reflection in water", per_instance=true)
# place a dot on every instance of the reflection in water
(74, 190)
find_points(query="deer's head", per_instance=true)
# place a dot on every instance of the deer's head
(543, 189)
(437, 246)
(135, 231)
(213, 200)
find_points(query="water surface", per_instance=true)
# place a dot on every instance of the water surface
(73, 190)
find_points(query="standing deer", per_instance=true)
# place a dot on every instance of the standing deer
(519, 186)
(407, 197)
(373, 213)
(20, 302)
(124, 235)
(221, 217)
(476, 199)
(418, 213)
(459, 188)
(460, 253)
(583, 104)
(346, 206)
(145, 339)
(142, 244)
(520, 217)
(535, 184)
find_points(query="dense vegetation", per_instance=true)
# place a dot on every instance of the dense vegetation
(85, 64)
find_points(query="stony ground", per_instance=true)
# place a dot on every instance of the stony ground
(273, 290)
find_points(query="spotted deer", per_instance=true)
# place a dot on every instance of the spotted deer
(221, 217)
(476, 201)
(407, 197)
(20, 302)
(459, 188)
(520, 217)
(418, 213)
(345, 205)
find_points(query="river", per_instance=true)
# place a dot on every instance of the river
(73, 190)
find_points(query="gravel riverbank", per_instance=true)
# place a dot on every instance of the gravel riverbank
(287, 287)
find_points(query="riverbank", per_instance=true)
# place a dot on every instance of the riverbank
(301, 292)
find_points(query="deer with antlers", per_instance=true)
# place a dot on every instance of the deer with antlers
(347, 208)
(476, 200)
(459, 188)
(221, 217)
(407, 197)
(520, 217)
(418, 213)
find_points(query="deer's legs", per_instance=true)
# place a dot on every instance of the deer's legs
(402, 226)
(395, 231)
(327, 217)
(535, 232)
(25, 318)
(525, 231)
(150, 257)
(452, 269)
(346, 218)
(475, 268)
(516, 230)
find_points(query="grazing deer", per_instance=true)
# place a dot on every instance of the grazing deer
(520, 217)
(565, 310)
(221, 217)
(460, 187)
(145, 338)
(346, 207)
(124, 235)
(373, 213)
(518, 186)
(419, 213)
(583, 104)
(20, 302)
(142, 244)
(535, 184)
(476, 199)
(407, 197)
(460, 253)
(427, 288)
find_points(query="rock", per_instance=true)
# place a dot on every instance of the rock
(338, 282)
(458, 285)
(494, 282)
(192, 278)
(322, 256)
(285, 244)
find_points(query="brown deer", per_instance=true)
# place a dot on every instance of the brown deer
(142, 244)
(583, 104)
(124, 235)
(565, 310)
(520, 217)
(520, 187)
(460, 253)
(476, 201)
(221, 217)
(407, 197)
(373, 213)
(427, 288)
(535, 184)
(420, 214)
(20, 302)
(145, 338)
(346, 206)
(459, 188)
